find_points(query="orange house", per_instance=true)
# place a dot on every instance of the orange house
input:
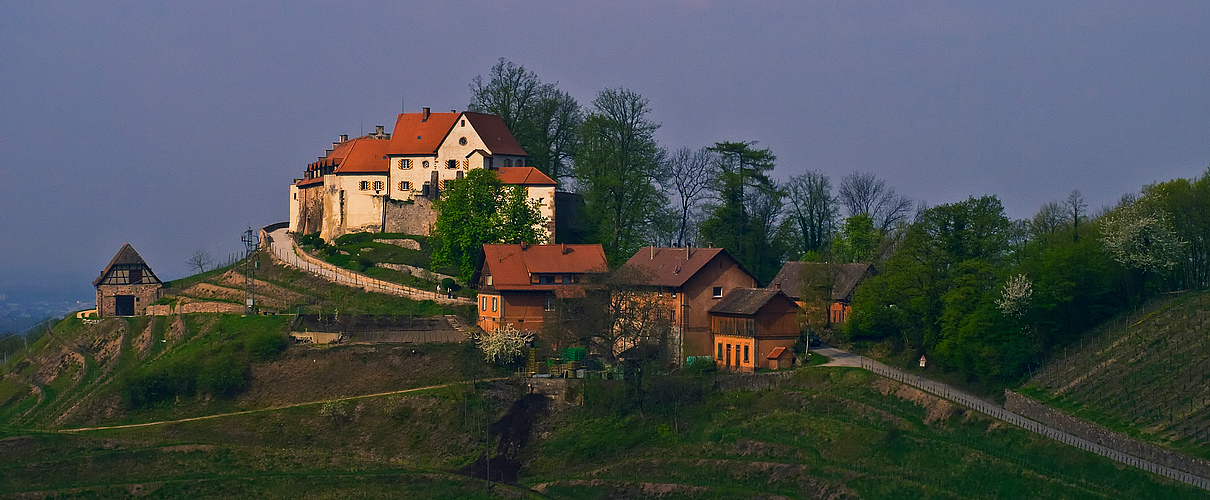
(754, 328)
(689, 281)
(518, 283)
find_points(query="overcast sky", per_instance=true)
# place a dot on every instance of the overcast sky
(175, 127)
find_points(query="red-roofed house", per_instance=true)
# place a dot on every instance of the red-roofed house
(690, 281)
(387, 182)
(518, 283)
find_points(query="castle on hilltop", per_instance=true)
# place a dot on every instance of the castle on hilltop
(386, 182)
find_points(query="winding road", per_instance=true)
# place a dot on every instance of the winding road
(286, 250)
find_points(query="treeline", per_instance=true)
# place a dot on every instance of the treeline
(989, 297)
(637, 193)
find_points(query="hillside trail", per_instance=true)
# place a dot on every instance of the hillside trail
(286, 251)
(839, 357)
(273, 408)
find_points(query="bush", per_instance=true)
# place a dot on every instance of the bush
(265, 346)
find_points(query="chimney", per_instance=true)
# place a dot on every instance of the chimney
(524, 245)
(334, 144)
(424, 115)
(565, 250)
(652, 247)
(687, 251)
(329, 153)
(379, 129)
(344, 137)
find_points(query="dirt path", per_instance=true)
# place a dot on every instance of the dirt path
(286, 250)
(274, 408)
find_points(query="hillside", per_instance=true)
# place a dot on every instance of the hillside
(1146, 374)
(826, 433)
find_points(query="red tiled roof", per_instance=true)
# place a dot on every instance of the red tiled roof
(776, 353)
(495, 134)
(304, 183)
(524, 176)
(415, 136)
(511, 265)
(366, 155)
(669, 267)
(844, 277)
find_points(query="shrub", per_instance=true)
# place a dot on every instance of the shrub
(264, 346)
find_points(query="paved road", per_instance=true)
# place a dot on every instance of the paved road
(286, 250)
(844, 358)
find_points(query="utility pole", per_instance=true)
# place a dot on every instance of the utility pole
(251, 241)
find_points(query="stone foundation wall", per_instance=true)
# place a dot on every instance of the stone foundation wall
(561, 390)
(1029, 408)
(194, 307)
(410, 218)
(143, 295)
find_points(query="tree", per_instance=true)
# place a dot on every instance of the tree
(1138, 236)
(690, 174)
(616, 313)
(857, 240)
(478, 209)
(747, 207)
(1075, 207)
(812, 212)
(864, 194)
(617, 169)
(543, 118)
(504, 345)
(200, 260)
(1050, 219)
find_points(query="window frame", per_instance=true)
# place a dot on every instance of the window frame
(717, 292)
(363, 185)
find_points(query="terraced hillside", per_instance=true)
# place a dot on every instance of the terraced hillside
(1146, 375)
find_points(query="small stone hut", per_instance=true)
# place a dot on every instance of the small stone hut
(127, 286)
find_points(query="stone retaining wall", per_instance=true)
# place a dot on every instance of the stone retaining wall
(194, 307)
(1029, 408)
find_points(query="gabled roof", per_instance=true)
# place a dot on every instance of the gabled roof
(495, 134)
(365, 155)
(747, 301)
(125, 256)
(672, 267)
(511, 265)
(790, 278)
(414, 135)
(524, 176)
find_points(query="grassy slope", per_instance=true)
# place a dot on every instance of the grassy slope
(1147, 375)
(827, 433)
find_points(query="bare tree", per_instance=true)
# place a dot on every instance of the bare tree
(200, 260)
(1076, 209)
(1049, 220)
(615, 313)
(863, 194)
(812, 211)
(689, 176)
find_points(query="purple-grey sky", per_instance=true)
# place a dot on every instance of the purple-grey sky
(176, 125)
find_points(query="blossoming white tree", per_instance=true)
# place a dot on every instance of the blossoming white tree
(504, 345)
(1137, 235)
(1015, 296)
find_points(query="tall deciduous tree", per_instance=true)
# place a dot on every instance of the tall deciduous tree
(617, 170)
(812, 212)
(543, 118)
(1138, 235)
(690, 174)
(863, 194)
(479, 209)
(748, 205)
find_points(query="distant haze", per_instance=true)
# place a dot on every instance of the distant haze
(175, 126)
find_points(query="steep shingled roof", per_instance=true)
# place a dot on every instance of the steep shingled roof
(511, 265)
(365, 155)
(790, 278)
(746, 301)
(669, 267)
(414, 135)
(125, 256)
(495, 134)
